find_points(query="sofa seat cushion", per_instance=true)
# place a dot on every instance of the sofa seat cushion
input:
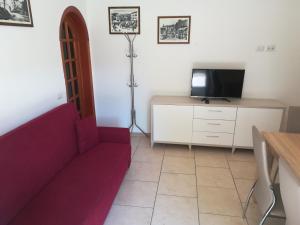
(83, 192)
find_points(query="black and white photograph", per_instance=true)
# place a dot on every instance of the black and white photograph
(174, 29)
(124, 20)
(15, 13)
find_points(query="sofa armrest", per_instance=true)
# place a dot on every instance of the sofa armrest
(114, 135)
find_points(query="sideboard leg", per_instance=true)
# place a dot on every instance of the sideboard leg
(233, 150)
(152, 144)
(190, 147)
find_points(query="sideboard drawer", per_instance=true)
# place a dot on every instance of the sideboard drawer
(209, 138)
(221, 126)
(215, 113)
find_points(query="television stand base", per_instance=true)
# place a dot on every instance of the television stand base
(225, 99)
(206, 100)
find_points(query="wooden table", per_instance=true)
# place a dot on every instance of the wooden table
(287, 147)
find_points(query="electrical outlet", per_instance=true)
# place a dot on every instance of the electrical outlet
(271, 48)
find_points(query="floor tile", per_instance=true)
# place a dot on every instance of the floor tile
(214, 177)
(135, 139)
(158, 146)
(253, 221)
(209, 219)
(245, 155)
(269, 221)
(148, 155)
(127, 215)
(179, 151)
(243, 187)
(177, 184)
(252, 213)
(178, 165)
(171, 210)
(143, 171)
(133, 150)
(243, 170)
(211, 157)
(136, 193)
(220, 201)
(144, 142)
(253, 216)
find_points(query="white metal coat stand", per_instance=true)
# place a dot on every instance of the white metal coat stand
(132, 84)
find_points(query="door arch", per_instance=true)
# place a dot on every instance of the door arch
(75, 52)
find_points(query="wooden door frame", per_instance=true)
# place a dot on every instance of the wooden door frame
(86, 86)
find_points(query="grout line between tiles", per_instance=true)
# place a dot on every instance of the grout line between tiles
(135, 149)
(179, 156)
(245, 161)
(206, 186)
(217, 167)
(197, 190)
(213, 167)
(144, 162)
(157, 187)
(142, 181)
(215, 214)
(191, 174)
(241, 204)
(237, 178)
(134, 206)
(245, 179)
(139, 161)
(178, 196)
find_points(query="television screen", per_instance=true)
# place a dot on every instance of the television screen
(217, 83)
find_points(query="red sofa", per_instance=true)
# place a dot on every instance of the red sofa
(44, 180)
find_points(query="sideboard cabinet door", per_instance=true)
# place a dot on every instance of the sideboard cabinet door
(172, 123)
(263, 119)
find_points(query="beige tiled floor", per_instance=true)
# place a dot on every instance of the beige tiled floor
(243, 170)
(175, 210)
(178, 185)
(144, 171)
(170, 185)
(214, 177)
(178, 165)
(220, 201)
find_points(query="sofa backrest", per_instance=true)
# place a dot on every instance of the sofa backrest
(32, 154)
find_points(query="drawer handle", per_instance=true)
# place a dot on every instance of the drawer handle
(212, 136)
(212, 110)
(215, 124)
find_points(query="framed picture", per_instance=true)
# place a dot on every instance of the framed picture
(124, 20)
(15, 13)
(174, 29)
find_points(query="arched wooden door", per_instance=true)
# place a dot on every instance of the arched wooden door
(75, 53)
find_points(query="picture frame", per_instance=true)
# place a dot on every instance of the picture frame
(16, 13)
(173, 29)
(124, 19)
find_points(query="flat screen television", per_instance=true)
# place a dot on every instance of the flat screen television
(217, 83)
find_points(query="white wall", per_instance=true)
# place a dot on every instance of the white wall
(31, 75)
(31, 72)
(222, 32)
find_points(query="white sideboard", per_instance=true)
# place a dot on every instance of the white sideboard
(185, 120)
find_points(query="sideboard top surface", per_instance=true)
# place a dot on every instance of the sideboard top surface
(244, 102)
